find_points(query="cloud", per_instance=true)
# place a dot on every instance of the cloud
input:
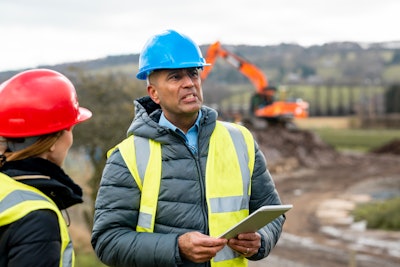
(52, 31)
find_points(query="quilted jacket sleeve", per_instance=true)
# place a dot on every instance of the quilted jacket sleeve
(114, 238)
(264, 193)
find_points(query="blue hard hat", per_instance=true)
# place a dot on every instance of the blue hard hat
(169, 50)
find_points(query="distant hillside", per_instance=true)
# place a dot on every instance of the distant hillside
(109, 63)
(333, 63)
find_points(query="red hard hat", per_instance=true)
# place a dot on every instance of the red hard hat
(37, 102)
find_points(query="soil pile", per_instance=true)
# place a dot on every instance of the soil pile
(392, 147)
(286, 150)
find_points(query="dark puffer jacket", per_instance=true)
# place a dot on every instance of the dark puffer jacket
(35, 239)
(181, 205)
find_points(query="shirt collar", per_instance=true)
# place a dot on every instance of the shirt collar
(164, 122)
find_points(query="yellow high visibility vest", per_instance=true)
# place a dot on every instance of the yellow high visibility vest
(18, 199)
(228, 181)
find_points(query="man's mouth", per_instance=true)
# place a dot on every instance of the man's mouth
(189, 97)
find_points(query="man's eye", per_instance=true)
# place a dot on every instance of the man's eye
(174, 76)
(194, 73)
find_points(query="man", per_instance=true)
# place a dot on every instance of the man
(181, 178)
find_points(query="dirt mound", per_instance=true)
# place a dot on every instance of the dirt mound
(287, 150)
(392, 147)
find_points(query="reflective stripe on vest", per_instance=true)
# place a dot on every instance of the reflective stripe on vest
(17, 200)
(227, 181)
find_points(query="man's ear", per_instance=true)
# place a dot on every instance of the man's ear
(151, 90)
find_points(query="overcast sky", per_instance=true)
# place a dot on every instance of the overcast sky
(37, 32)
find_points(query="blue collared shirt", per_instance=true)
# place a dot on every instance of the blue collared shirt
(190, 137)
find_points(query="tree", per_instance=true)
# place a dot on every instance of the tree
(396, 58)
(110, 98)
(307, 71)
(392, 98)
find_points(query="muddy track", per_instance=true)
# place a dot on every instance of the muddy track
(311, 175)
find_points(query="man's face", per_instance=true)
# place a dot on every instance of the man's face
(177, 91)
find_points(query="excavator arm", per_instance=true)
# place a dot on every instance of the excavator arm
(263, 104)
(253, 73)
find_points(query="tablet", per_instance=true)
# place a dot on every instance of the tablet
(256, 220)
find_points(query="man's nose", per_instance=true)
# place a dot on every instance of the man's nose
(188, 80)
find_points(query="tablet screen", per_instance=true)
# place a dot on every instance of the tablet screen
(256, 220)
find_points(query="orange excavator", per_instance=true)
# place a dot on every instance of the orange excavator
(263, 102)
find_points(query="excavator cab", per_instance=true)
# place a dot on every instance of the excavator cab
(260, 100)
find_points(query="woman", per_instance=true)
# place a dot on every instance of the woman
(38, 110)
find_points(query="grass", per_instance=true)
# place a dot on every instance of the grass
(340, 133)
(87, 260)
(383, 215)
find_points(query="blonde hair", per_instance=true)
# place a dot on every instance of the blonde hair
(43, 144)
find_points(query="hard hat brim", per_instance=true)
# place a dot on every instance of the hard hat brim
(142, 75)
(84, 114)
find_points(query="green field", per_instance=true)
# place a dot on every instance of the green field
(339, 132)
(357, 139)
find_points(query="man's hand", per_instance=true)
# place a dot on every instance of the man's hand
(246, 244)
(198, 247)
